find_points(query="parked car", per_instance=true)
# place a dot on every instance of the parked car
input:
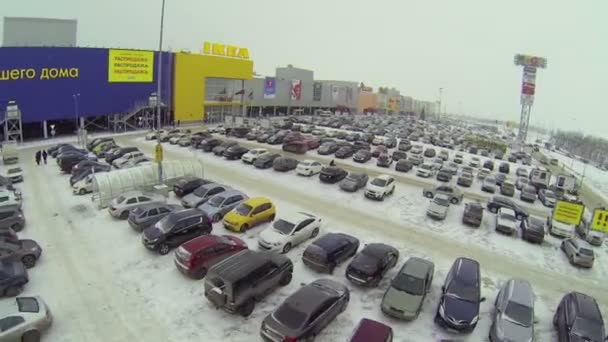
(416, 149)
(460, 296)
(308, 168)
(458, 158)
(187, 184)
(236, 283)
(521, 172)
(521, 183)
(24, 250)
(465, 179)
(454, 194)
(209, 144)
(13, 277)
(504, 168)
(500, 178)
(265, 161)
(201, 194)
(329, 251)
(345, 151)
(371, 331)
(284, 164)
(251, 155)
(488, 165)
(473, 214)
(15, 174)
(176, 228)
(489, 185)
(370, 265)
(305, 313)
(578, 318)
(332, 174)
(354, 182)
(194, 258)
(444, 155)
(384, 160)
(528, 194)
(147, 215)
(579, 252)
(250, 213)
(327, 148)
(474, 162)
(398, 155)
(438, 207)
(532, 229)
(407, 291)
(221, 148)
(404, 145)
(513, 315)
(593, 236)
(497, 202)
(235, 152)
(430, 153)
(361, 156)
(24, 319)
(119, 153)
(425, 170)
(547, 197)
(121, 206)
(506, 221)
(219, 205)
(290, 231)
(11, 216)
(404, 165)
(416, 159)
(380, 187)
(507, 189)
(127, 157)
(444, 176)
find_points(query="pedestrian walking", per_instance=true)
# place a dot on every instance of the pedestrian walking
(44, 155)
(38, 154)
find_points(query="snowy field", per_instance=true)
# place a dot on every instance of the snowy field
(103, 285)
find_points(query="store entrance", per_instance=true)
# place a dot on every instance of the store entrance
(217, 113)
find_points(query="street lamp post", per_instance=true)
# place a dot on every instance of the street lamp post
(158, 152)
(78, 130)
(440, 95)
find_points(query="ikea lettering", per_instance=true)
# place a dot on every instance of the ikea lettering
(225, 50)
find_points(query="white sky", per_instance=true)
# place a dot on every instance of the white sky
(417, 46)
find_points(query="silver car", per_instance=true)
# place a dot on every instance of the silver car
(453, 193)
(120, 206)
(201, 194)
(579, 252)
(513, 318)
(24, 319)
(217, 206)
(528, 193)
(438, 207)
(405, 296)
(489, 184)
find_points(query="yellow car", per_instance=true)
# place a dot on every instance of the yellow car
(249, 214)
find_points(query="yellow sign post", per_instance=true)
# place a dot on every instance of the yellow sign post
(568, 212)
(158, 153)
(130, 66)
(600, 220)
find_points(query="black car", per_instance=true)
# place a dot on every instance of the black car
(276, 139)
(329, 251)
(497, 202)
(284, 164)
(578, 318)
(119, 153)
(88, 164)
(430, 153)
(460, 298)
(504, 168)
(500, 178)
(235, 152)
(488, 164)
(512, 158)
(398, 155)
(196, 138)
(266, 161)
(327, 148)
(332, 174)
(404, 165)
(362, 156)
(54, 149)
(261, 138)
(208, 145)
(354, 182)
(404, 146)
(370, 265)
(532, 229)
(13, 277)
(219, 150)
(187, 184)
(473, 214)
(66, 163)
(384, 160)
(345, 151)
(176, 228)
(361, 145)
(444, 176)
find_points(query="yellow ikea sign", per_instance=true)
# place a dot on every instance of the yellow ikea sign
(568, 212)
(600, 220)
(225, 50)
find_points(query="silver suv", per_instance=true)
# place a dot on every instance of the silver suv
(217, 206)
(121, 206)
(236, 283)
(454, 194)
(513, 317)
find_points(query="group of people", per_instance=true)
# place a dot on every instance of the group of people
(41, 155)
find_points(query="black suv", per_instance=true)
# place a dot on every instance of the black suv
(187, 184)
(235, 152)
(498, 202)
(578, 318)
(208, 145)
(176, 228)
(460, 298)
(332, 174)
(266, 161)
(345, 151)
(13, 276)
(370, 265)
(328, 251)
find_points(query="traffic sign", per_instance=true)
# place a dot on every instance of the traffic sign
(600, 220)
(158, 153)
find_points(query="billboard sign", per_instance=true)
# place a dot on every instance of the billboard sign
(296, 90)
(317, 89)
(568, 212)
(130, 66)
(600, 220)
(531, 61)
(270, 88)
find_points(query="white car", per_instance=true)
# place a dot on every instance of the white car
(474, 162)
(152, 135)
(416, 149)
(506, 221)
(176, 138)
(24, 319)
(15, 174)
(121, 206)
(308, 167)
(83, 186)
(253, 154)
(425, 170)
(438, 208)
(286, 233)
(380, 187)
(378, 140)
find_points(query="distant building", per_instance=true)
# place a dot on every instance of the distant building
(28, 32)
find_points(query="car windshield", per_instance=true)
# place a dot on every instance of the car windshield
(549, 194)
(137, 211)
(426, 167)
(589, 329)
(200, 191)
(27, 304)
(350, 178)
(14, 170)
(586, 251)
(463, 290)
(441, 200)
(290, 317)
(166, 223)
(243, 209)
(216, 201)
(283, 226)
(519, 314)
(305, 163)
(409, 284)
(379, 182)
(507, 216)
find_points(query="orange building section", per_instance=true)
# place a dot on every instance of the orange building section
(367, 101)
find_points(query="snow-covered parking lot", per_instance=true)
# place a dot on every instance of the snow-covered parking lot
(103, 285)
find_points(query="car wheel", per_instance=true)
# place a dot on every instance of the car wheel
(82, 191)
(29, 261)
(454, 200)
(31, 336)
(124, 215)
(287, 248)
(310, 173)
(285, 279)
(247, 308)
(493, 210)
(16, 227)
(271, 218)
(428, 194)
(244, 227)
(314, 233)
(201, 273)
(217, 217)
(12, 291)
(163, 249)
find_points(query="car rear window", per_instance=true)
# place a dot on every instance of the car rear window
(585, 251)
(27, 304)
(290, 317)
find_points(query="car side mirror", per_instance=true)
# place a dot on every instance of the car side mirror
(443, 288)
(483, 299)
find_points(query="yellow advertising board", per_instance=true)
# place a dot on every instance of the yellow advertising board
(600, 220)
(130, 66)
(568, 212)
(158, 153)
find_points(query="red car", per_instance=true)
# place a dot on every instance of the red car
(371, 331)
(195, 257)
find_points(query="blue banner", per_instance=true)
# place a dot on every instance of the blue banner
(270, 88)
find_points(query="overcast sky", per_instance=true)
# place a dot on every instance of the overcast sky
(466, 47)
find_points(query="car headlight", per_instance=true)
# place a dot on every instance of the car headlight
(499, 332)
(475, 319)
(441, 311)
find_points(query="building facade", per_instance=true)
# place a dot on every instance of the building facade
(39, 32)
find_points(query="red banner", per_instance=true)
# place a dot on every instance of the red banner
(528, 88)
(296, 90)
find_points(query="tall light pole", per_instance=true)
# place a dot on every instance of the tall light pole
(159, 147)
(78, 130)
(440, 95)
